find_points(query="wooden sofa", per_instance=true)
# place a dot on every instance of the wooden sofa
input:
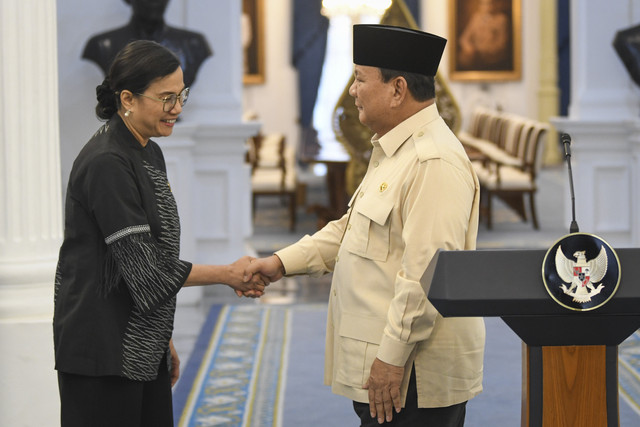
(506, 153)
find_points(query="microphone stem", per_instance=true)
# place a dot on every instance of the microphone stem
(573, 197)
(566, 142)
(574, 225)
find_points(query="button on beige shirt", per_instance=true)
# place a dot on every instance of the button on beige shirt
(419, 194)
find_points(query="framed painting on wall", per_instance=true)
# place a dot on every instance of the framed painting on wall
(485, 40)
(253, 41)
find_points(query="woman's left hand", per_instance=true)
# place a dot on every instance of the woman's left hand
(175, 364)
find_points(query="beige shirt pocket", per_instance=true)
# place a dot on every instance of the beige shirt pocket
(358, 347)
(350, 362)
(369, 228)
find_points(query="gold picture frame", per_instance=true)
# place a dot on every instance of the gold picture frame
(253, 41)
(485, 40)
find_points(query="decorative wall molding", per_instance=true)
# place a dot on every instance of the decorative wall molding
(603, 158)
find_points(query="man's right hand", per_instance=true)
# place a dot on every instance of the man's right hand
(270, 267)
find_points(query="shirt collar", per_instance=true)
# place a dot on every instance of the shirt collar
(124, 134)
(392, 140)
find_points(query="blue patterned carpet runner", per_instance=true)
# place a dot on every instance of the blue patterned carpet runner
(240, 377)
(629, 371)
(237, 373)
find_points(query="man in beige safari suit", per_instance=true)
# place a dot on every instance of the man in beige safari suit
(387, 348)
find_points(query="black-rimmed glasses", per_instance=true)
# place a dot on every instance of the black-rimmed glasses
(169, 101)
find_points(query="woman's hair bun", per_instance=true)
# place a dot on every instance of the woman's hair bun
(107, 105)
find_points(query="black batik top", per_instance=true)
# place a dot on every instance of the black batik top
(119, 268)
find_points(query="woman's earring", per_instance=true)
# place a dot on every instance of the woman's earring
(126, 114)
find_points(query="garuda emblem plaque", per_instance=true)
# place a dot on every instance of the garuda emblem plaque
(581, 272)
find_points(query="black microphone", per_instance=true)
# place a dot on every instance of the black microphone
(566, 142)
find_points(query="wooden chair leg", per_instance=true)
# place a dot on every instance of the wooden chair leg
(293, 203)
(534, 217)
(489, 213)
(515, 201)
(253, 205)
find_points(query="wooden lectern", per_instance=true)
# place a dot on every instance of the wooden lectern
(570, 358)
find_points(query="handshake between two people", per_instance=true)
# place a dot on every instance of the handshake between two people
(257, 274)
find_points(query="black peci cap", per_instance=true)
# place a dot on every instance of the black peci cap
(397, 48)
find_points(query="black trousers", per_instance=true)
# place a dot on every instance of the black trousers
(115, 401)
(412, 416)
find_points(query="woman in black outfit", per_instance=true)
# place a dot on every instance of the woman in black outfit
(119, 268)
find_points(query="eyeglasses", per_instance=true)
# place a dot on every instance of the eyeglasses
(168, 102)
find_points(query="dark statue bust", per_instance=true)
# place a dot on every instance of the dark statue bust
(627, 45)
(147, 23)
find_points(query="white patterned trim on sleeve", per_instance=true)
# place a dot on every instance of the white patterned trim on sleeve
(134, 229)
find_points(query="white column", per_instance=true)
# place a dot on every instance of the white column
(220, 183)
(206, 153)
(211, 183)
(31, 213)
(603, 123)
(600, 86)
(217, 93)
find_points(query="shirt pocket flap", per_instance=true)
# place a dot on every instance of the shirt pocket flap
(375, 208)
(368, 329)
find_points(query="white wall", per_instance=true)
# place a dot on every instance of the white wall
(77, 21)
(78, 78)
(603, 123)
(275, 101)
(216, 95)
